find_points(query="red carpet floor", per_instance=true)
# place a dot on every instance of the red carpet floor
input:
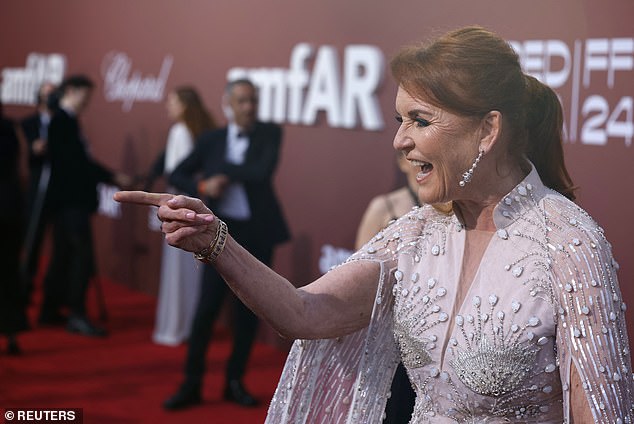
(124, 378)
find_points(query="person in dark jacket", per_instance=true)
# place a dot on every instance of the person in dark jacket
(12, 299)
(35, 129)
(72, 198)
(232, 169)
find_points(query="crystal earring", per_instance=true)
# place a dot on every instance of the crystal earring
(466, 177)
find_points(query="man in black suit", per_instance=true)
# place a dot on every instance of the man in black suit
(12, 305)
(232, 170)
(35, 129)
(72, 198)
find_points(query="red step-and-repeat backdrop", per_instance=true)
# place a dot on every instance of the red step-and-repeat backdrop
(321, 68)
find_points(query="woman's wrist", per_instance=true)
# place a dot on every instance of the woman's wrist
(209, 254)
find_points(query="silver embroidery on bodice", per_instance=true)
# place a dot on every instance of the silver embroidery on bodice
(498, 363)
(418, 303)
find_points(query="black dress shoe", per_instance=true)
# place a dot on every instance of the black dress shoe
(186, 396)
(84, 327)
(235, 392)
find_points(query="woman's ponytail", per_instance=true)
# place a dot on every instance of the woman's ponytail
(544, 123)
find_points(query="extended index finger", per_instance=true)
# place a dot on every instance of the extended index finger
(142, 197)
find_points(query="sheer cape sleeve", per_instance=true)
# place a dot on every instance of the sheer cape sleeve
(591, 328)
(347, 379)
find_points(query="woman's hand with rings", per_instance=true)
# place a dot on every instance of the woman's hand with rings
(186, 222)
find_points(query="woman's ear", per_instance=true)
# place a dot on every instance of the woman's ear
(490, 130)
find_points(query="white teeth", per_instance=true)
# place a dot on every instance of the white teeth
(421, 174)
(425, 168)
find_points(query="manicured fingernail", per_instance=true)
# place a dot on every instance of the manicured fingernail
(191, 215)
(209, 218)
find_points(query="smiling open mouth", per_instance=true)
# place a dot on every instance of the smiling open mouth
(425, 168)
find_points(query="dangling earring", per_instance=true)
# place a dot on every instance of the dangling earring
(466, 177)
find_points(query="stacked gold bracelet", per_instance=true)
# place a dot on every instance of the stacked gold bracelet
(209, 254)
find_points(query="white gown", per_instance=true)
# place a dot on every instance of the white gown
(544, 300)
(180, 273)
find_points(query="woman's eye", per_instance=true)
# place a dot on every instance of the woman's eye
(420, 122)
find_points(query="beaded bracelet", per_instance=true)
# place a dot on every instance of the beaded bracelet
(209, 254)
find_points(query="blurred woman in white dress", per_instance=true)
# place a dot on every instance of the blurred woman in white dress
(180, 277)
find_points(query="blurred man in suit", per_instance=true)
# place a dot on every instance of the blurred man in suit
(72, 198)
(232, 169)
(12, 305)
(35, 129)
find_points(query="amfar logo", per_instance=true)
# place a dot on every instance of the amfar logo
(123, 85)
(296, 95)
(20, 85)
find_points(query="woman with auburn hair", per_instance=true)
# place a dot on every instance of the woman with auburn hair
(185, 105)
(503, 308)
(180, 277)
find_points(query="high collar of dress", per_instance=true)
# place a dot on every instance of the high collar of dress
(524, 196)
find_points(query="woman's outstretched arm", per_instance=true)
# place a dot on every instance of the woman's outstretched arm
(336, 304)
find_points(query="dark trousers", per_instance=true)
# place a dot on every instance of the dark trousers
(213, 292)
(72, 264)
(12, 297)
(400, 405)
(34, 247)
